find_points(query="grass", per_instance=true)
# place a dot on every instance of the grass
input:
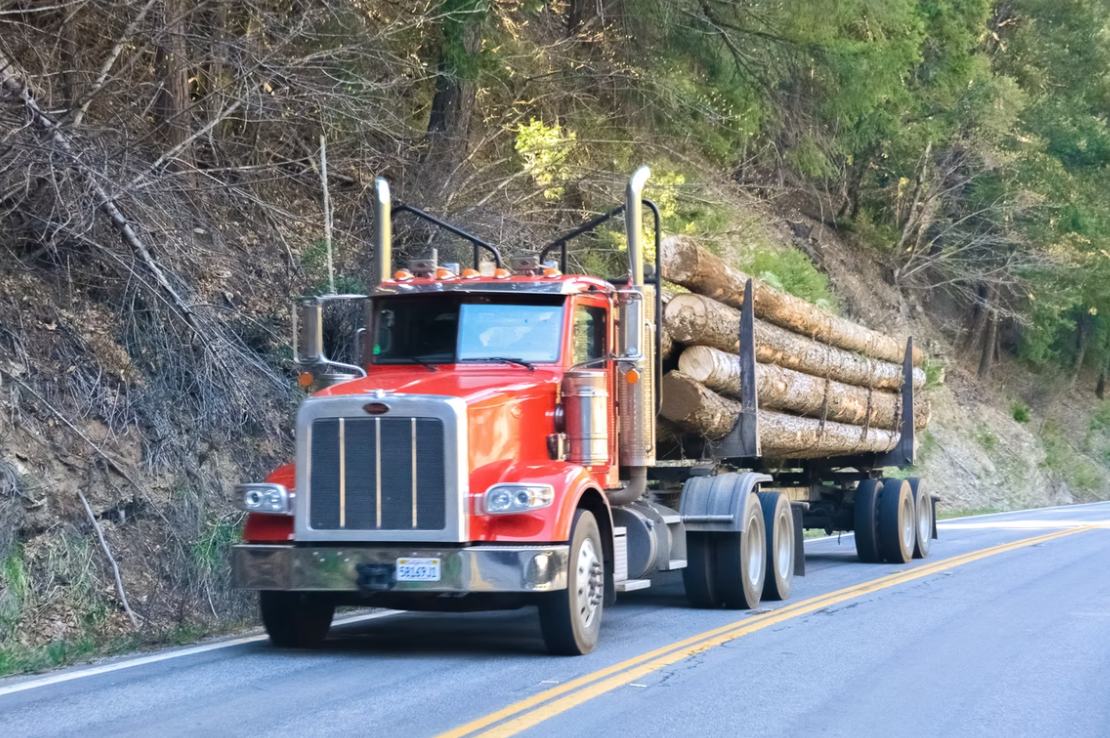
(1079, 472)
(792, 271)
(985, 438)
(965, 512)
(1020, 411)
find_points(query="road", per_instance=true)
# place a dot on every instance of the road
(981, 639)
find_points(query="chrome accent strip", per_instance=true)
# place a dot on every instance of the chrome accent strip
(488, 568)
(378, 471)
(451, 410)
(414, 473)
(342, 474)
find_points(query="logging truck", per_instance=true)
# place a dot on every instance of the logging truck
(502, 440)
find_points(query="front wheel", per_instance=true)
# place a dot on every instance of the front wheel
(295, 619)
(571, 618)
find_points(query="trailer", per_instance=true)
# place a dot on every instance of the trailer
(495, 446)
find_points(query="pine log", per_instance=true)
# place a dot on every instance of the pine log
(688, 264)
(690, 404)
(697, 320)
(804, 394)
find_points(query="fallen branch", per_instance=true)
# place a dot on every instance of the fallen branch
(111, 559)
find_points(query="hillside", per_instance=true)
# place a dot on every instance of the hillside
(927, 168)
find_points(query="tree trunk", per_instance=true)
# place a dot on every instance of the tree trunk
(986, 359)
(785, 389)
(172, 104)
(695, 320)
(692, 405)
(691, 266)
(1083, 328)
(456, 85)
(979, 316)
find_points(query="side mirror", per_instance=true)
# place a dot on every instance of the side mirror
(308, 335)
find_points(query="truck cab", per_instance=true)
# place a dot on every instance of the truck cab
(472, 457)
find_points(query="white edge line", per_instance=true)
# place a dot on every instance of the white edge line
(66, 676)
(943, 523)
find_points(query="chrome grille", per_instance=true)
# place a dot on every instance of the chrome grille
(377, 473)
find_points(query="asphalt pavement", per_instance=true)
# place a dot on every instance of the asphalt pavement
(1003, 631)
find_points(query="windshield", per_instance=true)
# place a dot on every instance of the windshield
(444, 329)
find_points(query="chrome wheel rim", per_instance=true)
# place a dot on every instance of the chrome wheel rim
(908, 526)
(757, 549)
(784, 545)
(590, 583)
(924, 517)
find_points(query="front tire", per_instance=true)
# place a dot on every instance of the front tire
(571, 618)
(778, 522)
(295, 619)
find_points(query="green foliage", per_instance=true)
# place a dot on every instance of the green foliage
(928, 447)
(791, 270)
(1083, 475)
(934, 372)
(545, 150)
(1020, 411)
(986, 438)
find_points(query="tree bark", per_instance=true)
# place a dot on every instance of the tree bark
(693, 406)
(695, 320)
(691, 266)
(986, 358)
(456, 84)
(1083, 328)
(785, 389)
(172, 104)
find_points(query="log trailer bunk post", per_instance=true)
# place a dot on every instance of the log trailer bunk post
(452, 484)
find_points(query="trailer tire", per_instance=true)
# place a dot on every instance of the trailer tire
(742, 561)
(778, 524)
(295, 619)
(866, 520)
(699, 576)
(923, 511)
(570, 619)
(897, 522)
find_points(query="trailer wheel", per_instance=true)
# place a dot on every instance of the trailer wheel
(897, 522)
(923, 506)
(778, 522)
(295, 619)
(698, 578)
(571, 618)
(866, 520)
(742, 561)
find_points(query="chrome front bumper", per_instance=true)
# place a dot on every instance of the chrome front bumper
(372, 568)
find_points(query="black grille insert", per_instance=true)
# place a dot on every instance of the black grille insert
(365, 480)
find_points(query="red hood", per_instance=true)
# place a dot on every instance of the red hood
(470, 383)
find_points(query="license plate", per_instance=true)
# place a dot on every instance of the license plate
(417, 570)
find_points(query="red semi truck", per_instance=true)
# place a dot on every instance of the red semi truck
(494, 447)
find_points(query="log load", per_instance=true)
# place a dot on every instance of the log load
(692, 405)
(688, 264)
(696, 320)
(786, 389)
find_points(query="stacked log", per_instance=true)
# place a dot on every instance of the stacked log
(688, 264)
(825, 386)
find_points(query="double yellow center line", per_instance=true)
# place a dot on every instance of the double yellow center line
(549, 703)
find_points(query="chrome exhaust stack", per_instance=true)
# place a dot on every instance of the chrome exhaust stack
(383, 233)
(635, 359)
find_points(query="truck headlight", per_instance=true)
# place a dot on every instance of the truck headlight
(501, 499)
(264, 497)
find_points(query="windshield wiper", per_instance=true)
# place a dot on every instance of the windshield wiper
(425, 363)
(502, 360)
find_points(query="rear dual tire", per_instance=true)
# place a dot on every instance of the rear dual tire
(729, 569)
(893, 520)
